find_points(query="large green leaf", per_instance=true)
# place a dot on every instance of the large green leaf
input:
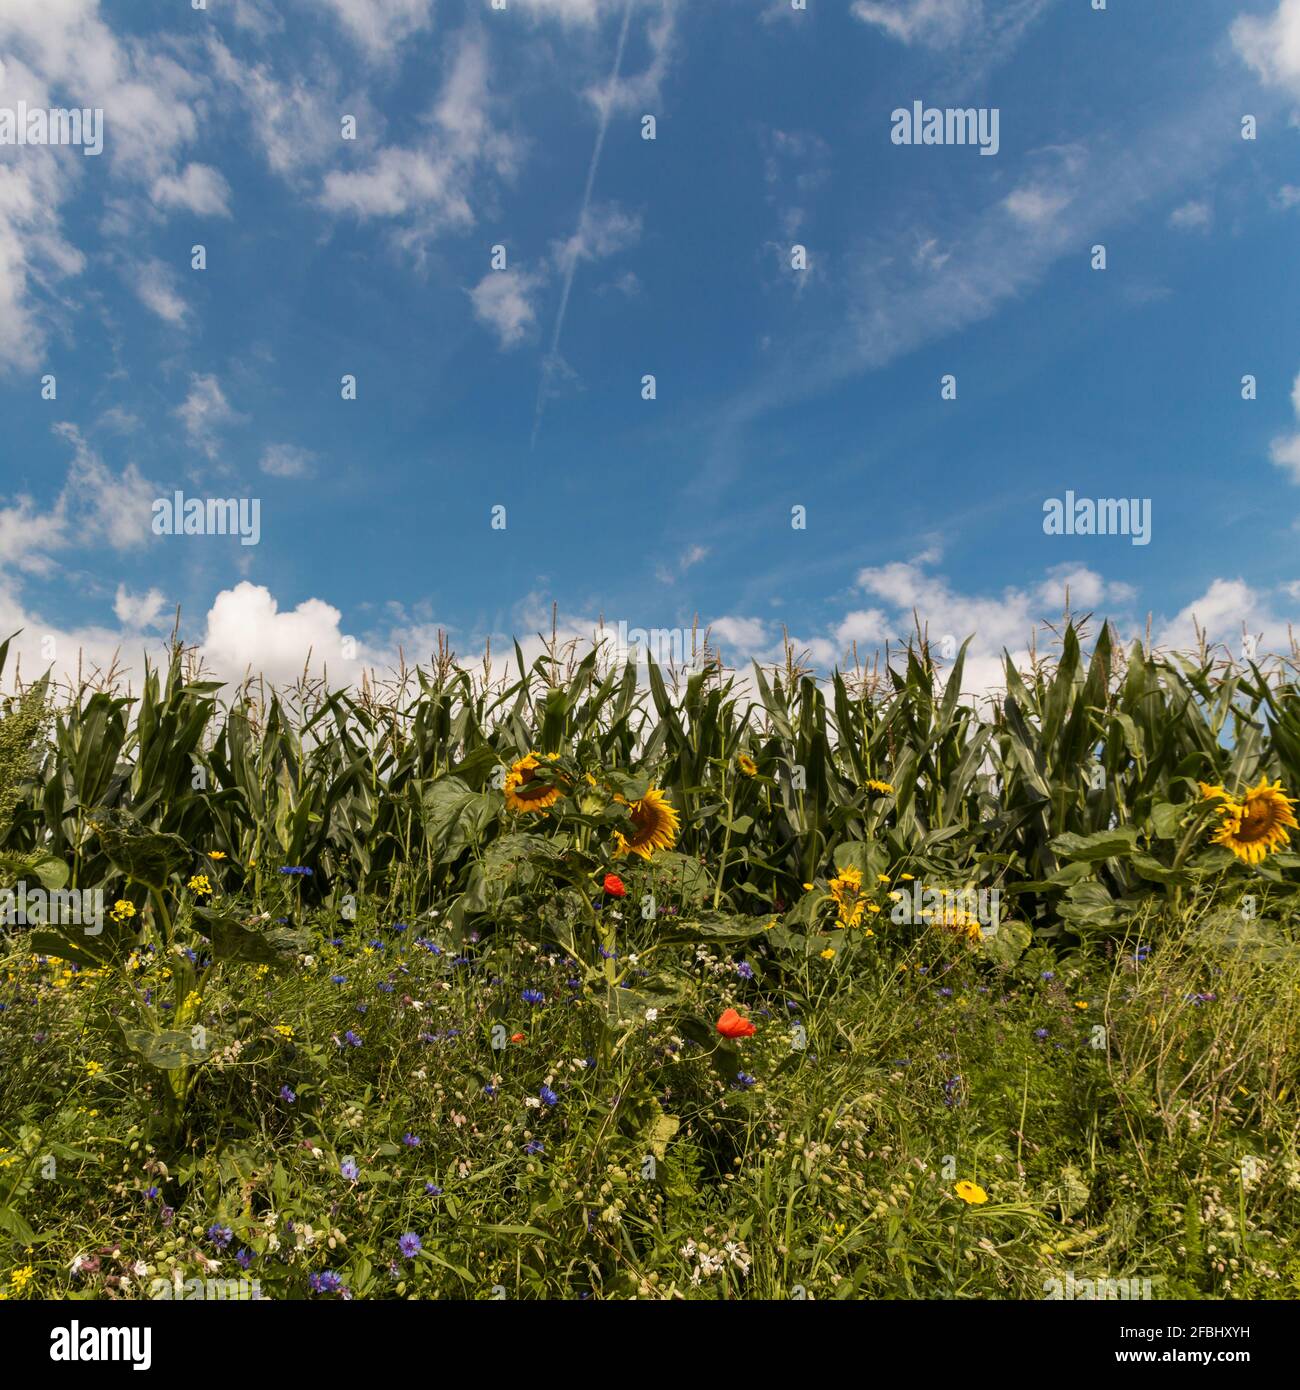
(231, 940)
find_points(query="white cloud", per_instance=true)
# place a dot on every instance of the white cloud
(740, 637)
(94, 504)
(935, 23)
(156, 286)
(63, 52)
(139, 611)
(287, 461)
(205, 411)
(1193, 216)
(380, 26)
(1036, 206)
(504, 301)
(295, 121)
(435, 178)
(1227, 611)
(29, 538)
(199, 189)
(247, 630)
(688, 559)
(1271, 45)
(1285, 451)
(603, 229)
(566, 11)
(116, 506)
(33, 253)
(1289, 195)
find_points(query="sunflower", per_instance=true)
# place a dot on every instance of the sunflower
(524, 792)
(747, 765)
(1256, 825)
(884, 788)
(654, 826)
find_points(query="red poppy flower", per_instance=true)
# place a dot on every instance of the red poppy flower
(614, 886)
(517, 1038)
(731, 1025)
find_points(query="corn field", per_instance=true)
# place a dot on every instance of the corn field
(1064, 792)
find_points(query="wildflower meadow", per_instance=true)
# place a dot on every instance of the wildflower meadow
(598, 983)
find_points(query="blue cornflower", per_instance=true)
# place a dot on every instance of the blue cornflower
(433, 1189)
(412, 1141)
(338, 979)
(385, 987)
(151, 1194)
(297, 870)
(399, 926)
(533, 996)
(1040, 1033)
(287, 1095)
(244, 1258)
(548, 1096)
(220, 1236)
(744, 1081)
(1049, 974)
(745, 970)
(325, 1282)
(349, 1169)
(409, 1245)
(351, 1039)
(946, 993)
(534, 1146)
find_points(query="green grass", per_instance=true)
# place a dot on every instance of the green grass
(1162, 1148)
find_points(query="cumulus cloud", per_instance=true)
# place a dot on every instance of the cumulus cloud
(247, 630)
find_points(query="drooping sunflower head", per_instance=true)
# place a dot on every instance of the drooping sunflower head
(525, 791)
(882, 788)
(747, 765)
(654, 826)
(1257, 825)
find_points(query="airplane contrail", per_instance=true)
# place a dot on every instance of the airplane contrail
(569, 271)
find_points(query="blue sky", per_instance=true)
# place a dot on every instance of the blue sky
(522, 387)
